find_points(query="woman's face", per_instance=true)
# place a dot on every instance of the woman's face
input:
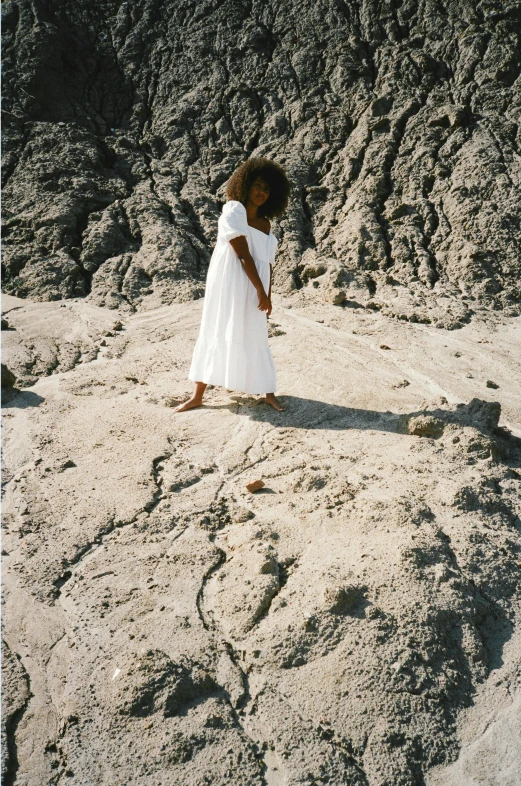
(259, 191)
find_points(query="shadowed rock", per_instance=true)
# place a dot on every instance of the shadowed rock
(153, 683)
(342, 600)
(8, 378)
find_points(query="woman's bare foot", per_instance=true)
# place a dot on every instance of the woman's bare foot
(271, 399)
(196, 399)
(192, 403)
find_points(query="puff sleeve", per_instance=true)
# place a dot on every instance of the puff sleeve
(233, 221)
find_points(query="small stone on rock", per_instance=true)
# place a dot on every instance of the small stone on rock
(255, 486)
(426, 426)
(336, 297)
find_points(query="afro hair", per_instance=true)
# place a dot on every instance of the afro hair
(273, 174)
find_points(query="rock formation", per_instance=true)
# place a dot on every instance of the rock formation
(398, 123)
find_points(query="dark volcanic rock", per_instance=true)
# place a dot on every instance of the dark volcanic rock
(397, 122)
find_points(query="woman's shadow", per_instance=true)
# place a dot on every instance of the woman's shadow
(308, 413)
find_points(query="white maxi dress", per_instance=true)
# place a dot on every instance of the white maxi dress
(232, 348)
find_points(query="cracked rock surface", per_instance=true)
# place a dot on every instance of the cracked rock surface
(355, 621)
(398, 123)
(43, 339)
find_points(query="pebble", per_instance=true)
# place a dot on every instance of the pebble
(255, 486)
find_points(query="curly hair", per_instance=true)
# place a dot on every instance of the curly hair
(240, 182)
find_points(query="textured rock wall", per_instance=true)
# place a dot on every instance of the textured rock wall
(398, 123)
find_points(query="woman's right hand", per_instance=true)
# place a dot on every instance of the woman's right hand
(264, 301)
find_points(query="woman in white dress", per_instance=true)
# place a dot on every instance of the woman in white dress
(232, 348)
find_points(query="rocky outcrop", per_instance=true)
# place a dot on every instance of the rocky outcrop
(398, 124)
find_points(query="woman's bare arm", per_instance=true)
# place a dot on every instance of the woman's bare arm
(240, 246)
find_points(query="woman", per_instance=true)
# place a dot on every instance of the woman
(232, 349)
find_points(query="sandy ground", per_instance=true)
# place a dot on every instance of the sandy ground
(356, 621)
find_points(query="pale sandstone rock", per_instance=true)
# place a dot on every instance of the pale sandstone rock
(173, 627)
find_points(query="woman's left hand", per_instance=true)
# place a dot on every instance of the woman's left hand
(268, 312)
